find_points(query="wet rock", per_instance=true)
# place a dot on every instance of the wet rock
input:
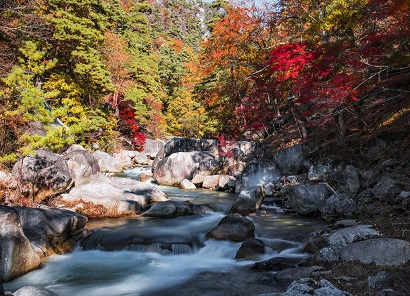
(108, 163)
(51, 231)
(290, 159)
(17, 257)
(308, 287)
(83, 164)
(42, 175)
(249, 200)
(278, 263)
(173, 169)
(233, 227)
(381, 251)
(307, 199)
(345, 236)
(257, 173)
(250, 247)
(165, 209)
(187, 185)
(33, 291)
(211, 182)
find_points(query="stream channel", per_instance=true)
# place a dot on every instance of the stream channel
(204, 267)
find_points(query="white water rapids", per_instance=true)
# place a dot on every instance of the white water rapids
(207, 268)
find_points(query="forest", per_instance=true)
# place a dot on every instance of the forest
(110, 73)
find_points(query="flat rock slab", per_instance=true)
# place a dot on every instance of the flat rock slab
(381, 251)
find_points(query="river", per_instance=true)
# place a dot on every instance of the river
(202, 267)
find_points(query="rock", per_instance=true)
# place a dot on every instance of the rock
(233, 227)
(277, 263)
(388, 292)
(187, 185)
(309, 287)
(326, 255)
(381, 251)
(286, 276)
(250, 247)
(165, 209)
(206, 168)
(249, 200)
(279, 245)
(111, 193)
(178, 166)
(386, 190)
(337, 205)
(84, 166)
(290, 159)
(152, 147)
(176, 145)
(1, 289)
(7, 180)
(344, 223)
(146, 176)
(257, 172)
(224, 183)
(211, 182)
(33, 291)
(42, 175)
(345, 236)
(51, 231)
(126, 157)
(17, 257)
(235, 155)
(307, 199)
(142, 159)
(378, 281)
(108, 163)
(343, 176)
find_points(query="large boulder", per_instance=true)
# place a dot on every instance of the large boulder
(42, 175)
(82, 163)
(211, 182)
(249, 200)
(249, 248)
(342, 237)
(152, 147)
(257, 173)
(381, 251)
(307, 199)
(206, 168)
(344, 177)
(387, 189)
(108, 163)
(17, 257)
(173, 169)
(290, 159)
(127, 157)
(338, 205)
(233, 227)
(52, 231)
(119, 196)
(176, 145)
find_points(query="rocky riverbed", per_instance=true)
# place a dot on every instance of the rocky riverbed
(362, 253)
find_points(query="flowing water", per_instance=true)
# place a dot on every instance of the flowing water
(191, 265)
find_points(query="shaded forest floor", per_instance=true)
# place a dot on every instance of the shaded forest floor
(385, 136)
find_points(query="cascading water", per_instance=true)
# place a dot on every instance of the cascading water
(153, 256)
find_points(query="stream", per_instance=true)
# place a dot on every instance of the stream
(197, 267)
